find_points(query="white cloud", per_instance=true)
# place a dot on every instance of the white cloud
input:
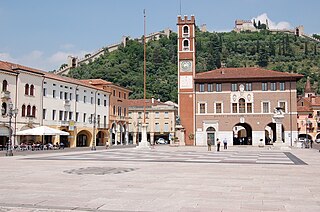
(67, 46)
(272, 25)
(37, 59)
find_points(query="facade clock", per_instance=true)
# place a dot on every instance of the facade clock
(186, 66)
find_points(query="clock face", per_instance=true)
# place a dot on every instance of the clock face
(186, 65)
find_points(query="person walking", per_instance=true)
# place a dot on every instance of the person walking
(218, 145)
(225, 144)
(209, 142)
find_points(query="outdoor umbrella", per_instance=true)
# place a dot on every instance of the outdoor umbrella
(42, 130)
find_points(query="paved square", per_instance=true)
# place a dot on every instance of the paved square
(162, 179)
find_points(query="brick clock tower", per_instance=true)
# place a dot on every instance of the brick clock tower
(186, 74)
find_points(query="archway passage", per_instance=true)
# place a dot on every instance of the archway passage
(113, 133)
(100, 140)
(64, 139)
(83, 138)
(211, 134)
(270, 134)
(242, 134)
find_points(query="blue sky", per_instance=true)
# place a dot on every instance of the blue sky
(42, 33)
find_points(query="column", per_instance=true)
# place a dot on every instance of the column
(152, 138)
(134, 138)
(144, 142)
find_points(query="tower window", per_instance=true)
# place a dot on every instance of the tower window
(185, 31)
(186, 45)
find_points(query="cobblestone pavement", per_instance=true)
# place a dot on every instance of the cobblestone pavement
(162, 179)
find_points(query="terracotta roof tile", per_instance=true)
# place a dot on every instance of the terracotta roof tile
(244, 74)
(12, 67)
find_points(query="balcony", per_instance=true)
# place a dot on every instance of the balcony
(67, 103)
(102, 126)
(63, 123)
(5, 95)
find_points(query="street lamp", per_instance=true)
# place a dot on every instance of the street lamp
(93, 120)
(9, 113)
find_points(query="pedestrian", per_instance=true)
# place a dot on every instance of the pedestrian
(218, 145)
(225, 144)
(209, 142)
(311, 141)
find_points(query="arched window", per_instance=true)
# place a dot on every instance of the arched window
(28, 111)
(186, 45)
(4, 108)
(185, 30)
(23, 111)
(242, 105)
(31, 90)
(33, 111)
(4, 85)
(26, 89)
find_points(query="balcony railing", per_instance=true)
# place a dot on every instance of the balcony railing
(67, 102)
(64, 123)
(5, 95)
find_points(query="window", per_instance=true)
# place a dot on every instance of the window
(23, 111)
(4, 107)
(98, 101)
(44, 92)
(130, 114)
(4, 85)
(166, 114)
(70, 96)
(147, 115)
(283, 106)
(234, 87)
(77, 97)
(33, 111)
(119, 94)
(265, 107)
(44, 111)
(218, 87)
(210, 87)
(156, 115)
(248, 86)
(114, 93)
(201, 87)
(185, 30)
(218, 108)
(157, 127)
(105, 121)
(186, 45)
(202, 108)
(54, 93)
(264, 86)
(119, 111)
(242, 105)
(234, 108)
(139, 115)
(60, 115)
(70, 115)
(61, 95)
(105, 103)
(53, 114)
(84, 99)
(166, 127)
(65, 95)
(124, 95)
(84, 117)
(125, 111)
(26, 89)
(249, 107)
(114, 110)
(273, 86)
(282, 86)
(32, 90)
(28, 111)
(77, 116)
(91, 100)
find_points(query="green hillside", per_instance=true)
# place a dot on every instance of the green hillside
(278, 51)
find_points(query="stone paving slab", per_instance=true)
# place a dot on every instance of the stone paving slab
(90, 183)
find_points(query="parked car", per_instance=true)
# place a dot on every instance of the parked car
(317, 141)
(161, 141)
